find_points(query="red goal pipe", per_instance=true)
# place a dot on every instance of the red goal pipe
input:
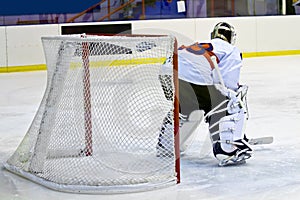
(87, 100)
(176, 112)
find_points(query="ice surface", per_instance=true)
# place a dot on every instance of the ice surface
(272, 173)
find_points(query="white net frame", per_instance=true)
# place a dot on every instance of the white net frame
(105, 106)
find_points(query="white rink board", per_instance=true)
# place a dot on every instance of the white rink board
(255, 34)
(3, 53)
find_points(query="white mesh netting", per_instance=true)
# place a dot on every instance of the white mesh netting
(105, 123)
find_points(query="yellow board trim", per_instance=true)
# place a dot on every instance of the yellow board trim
(23, 68)
(122, 63)
(109, 63)
(141, 61)
(271, 53)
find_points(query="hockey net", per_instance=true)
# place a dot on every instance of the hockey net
(105, 106)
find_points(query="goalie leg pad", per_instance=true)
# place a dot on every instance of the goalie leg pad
(164, 147)
(232, 148)
(188, 127)
(231, 128)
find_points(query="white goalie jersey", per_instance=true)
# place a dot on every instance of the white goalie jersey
(195, 64)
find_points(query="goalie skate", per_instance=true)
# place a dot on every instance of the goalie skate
(237, 159)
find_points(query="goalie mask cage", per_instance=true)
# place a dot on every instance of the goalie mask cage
(108, 100)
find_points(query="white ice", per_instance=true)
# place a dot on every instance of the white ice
(272, 173)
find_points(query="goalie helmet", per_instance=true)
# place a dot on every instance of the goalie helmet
(225, 32)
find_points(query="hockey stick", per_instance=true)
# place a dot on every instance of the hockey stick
(261, 140)
(252, 141)
(216, 66)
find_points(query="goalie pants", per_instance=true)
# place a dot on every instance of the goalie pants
(201, 97)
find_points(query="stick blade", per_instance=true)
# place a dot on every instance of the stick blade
(261, 140)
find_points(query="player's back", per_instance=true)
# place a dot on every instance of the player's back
(194, 65)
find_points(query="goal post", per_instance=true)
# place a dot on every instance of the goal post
(109, 103)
